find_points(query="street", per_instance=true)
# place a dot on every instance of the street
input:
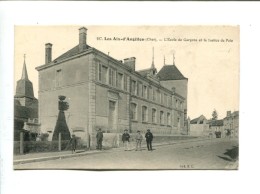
(207, 154)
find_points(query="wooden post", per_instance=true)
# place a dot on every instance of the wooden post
(21, 143)
(88, 140)
(59, 141)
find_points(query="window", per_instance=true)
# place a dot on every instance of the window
(169, 102)
(159, 96)
(125, 82)
(165, 99)
(150, 93)
(169, 119)
(141, 89)
(145, 95)
(162, 98)
(153, 115)
(154, 94)
(133, 111)
(99, 71)
(176, 103)
(181, 104)
(104, 74)
(111, 77)
(161, 117)
(58, 77)
(144, 114)
(137, 89)
(133, 87)
(120, 80)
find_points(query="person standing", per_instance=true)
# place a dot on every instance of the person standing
(73, 142)
(149, 139)
(99, 137)
(125, 139)
(138, 139)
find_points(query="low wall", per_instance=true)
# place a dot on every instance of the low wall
(110, 140)
(44, 146)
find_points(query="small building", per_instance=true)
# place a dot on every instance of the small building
(217, 127)
(199, 126)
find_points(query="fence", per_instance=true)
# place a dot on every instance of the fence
(110, 140)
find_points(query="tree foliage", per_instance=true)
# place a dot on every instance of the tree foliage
(214, 115)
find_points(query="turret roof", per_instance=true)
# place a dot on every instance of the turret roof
(170, 72)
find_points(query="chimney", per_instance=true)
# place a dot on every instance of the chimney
(130, 62)
(82, 38)
(48, 52)
(228, 113)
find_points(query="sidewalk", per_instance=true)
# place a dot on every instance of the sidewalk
(44, 156)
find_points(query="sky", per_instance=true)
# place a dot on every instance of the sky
(207, 55)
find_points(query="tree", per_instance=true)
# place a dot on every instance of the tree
(214, 115)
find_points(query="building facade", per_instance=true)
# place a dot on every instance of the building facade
(231, 122)
(217, 127)
(106, 93)
(199, 126)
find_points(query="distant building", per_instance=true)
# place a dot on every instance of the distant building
(106, 93)
(199, 126)
(217, 126)
(231, 122)
(25, 106)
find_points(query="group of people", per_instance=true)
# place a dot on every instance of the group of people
(138, 139)
(125, 139)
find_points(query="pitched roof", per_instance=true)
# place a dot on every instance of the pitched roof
(24, 87)
(235, 113)
(216, 122)
(24, 112)
(71, 52)
(145, 72)
(200, 118)
(24, 72)
(170, 72)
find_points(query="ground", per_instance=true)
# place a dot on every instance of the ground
(207, 154)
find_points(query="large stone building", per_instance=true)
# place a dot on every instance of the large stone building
(25, 106)
(106, 93)
(231, 122)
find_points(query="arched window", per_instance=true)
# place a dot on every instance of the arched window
(133, 111)
(144, 114)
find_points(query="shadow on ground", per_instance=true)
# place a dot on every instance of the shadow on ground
(231, 154)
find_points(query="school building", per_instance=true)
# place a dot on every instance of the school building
(107, 93)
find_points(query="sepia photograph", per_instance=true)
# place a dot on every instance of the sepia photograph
(121, 97)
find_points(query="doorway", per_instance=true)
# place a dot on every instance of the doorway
(112, 116)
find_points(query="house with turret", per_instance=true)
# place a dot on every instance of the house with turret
(107, 93)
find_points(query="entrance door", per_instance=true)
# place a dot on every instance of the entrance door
(112, 116)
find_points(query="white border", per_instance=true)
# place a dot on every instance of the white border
(136, 13)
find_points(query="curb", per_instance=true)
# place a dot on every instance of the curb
(41, 159)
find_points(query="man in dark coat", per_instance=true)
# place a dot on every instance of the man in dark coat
(149, 139)
(73, 142)
(99, 137)
(125, 139)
